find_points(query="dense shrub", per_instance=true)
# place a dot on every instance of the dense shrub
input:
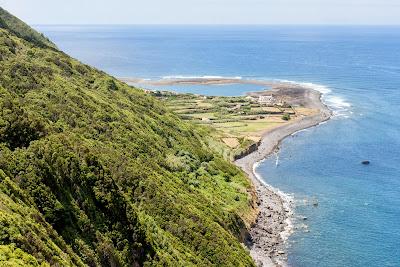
(94, 172)
(286, 117)
(17, 128)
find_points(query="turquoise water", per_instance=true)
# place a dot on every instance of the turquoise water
(357, 220)
(213, 89)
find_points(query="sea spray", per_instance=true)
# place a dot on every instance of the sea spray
(287, 202)
(204, 77)
(338, 104)
(352, 60)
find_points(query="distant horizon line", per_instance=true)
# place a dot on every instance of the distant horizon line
(212, 24)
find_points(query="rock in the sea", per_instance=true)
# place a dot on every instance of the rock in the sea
(365, 162)
(304, 218)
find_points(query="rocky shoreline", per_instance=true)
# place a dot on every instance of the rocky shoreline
(272, 226)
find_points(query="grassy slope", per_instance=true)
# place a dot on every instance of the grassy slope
(93, 172)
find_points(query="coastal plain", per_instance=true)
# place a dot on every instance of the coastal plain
(96, 173)
(239, 121)
(251, 127)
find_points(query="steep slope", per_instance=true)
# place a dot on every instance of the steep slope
(22, 30)
(94, 172)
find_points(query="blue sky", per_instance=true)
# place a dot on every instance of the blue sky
(375, 12)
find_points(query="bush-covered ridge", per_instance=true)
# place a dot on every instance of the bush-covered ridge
(22, 30)
(93, 172)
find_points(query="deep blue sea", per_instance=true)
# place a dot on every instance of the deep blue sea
(357, 220)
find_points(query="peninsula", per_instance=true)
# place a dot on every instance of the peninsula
(251, 127)
(94, 172)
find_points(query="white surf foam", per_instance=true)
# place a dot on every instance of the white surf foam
(287, 201)
(339, 105)
(182, 77)
(276, 159)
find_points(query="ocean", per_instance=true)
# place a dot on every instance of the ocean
(346, 213)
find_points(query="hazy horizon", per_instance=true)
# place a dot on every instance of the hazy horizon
(212, 25)
(207, 12)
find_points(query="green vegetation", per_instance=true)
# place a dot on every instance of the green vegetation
(239, 122)
(20, 29)
(286, 117)
(96, 173)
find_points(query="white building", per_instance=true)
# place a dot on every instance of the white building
(266, 99)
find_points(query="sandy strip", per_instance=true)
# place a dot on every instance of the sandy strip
(195, 81)
(273, 226)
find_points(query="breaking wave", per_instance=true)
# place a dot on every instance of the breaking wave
(338, 104)
(174, 77)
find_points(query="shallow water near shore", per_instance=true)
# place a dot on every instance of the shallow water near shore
(222, 89)
(356, 221)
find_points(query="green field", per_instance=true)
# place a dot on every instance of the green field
(94, 172)
(241, 117)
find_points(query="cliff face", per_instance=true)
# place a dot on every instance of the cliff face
(94, 172)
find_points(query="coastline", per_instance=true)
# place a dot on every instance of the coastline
(273, 226)
(206, 80)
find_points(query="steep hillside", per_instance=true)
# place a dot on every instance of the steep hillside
(22, 30)
(94, 172)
